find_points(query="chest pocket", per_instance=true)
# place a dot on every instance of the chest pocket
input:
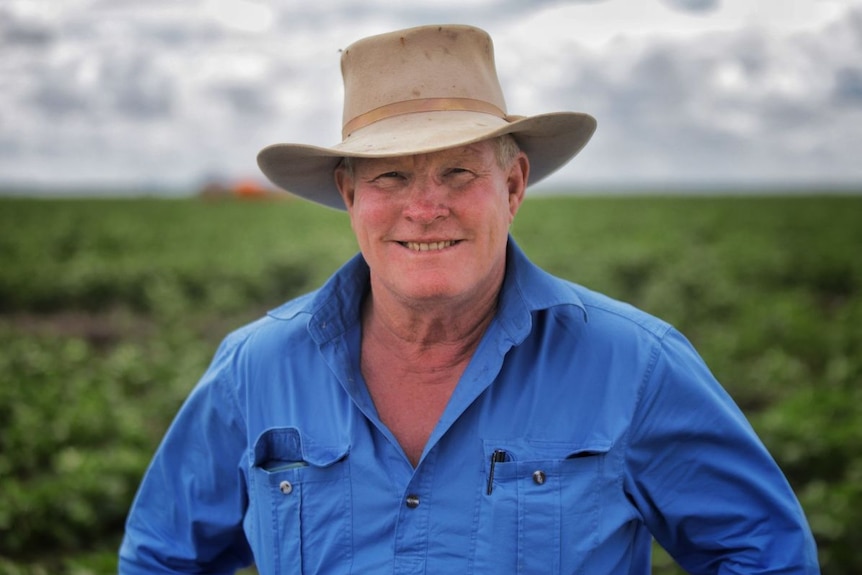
(539, 507)
(300, 507)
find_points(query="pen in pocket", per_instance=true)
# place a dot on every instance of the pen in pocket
(498, 456)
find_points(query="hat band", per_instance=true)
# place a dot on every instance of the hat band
(421, 105)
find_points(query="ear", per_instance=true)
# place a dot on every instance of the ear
(517, 178)
(344, 183)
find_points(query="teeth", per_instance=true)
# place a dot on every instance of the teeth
(420, 247)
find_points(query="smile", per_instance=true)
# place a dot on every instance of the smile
(428, 247)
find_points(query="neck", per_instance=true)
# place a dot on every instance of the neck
(443, 332)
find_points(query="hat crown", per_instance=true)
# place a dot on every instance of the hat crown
(428, 68)
(417, 91)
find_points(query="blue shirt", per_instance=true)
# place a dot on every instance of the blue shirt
(581, 428)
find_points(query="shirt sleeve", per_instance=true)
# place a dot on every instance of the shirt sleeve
(188, 512)
(704, 483)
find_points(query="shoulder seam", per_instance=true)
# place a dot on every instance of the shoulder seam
(653, 325)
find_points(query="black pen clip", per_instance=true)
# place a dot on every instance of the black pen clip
(498, 456)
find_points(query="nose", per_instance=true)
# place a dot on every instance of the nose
(426, 202)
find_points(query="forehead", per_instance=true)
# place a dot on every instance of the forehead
(476, 152)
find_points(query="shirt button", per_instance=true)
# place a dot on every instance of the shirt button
(285, 487)
(539, 477)
(412, 501)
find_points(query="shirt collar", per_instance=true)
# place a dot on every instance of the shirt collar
(527, 288)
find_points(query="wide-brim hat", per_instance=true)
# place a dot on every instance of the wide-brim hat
(420, 90)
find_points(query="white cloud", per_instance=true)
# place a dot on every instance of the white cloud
(243, 15)
(162, 92)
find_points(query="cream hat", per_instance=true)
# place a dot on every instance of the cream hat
(419, 90)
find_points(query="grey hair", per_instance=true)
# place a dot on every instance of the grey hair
(506, 149)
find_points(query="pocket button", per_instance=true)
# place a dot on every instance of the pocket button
(539, 477)
(285, 487)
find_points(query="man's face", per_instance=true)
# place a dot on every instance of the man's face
(433, 227)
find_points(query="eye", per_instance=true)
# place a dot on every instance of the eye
(387, 176)
(456, 171)
(459, 176)
(389, 181)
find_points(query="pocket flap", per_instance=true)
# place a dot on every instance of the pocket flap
(288, 446)
(524, 449)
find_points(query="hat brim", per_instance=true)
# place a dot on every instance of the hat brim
(549, 140)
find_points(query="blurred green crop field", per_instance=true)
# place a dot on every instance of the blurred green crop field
(111, 309)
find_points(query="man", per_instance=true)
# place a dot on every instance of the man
(441, 405)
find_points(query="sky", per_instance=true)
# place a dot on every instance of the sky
(165, 95)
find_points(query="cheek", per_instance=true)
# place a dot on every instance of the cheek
(507, 211)
(366, 213)
(369, 215)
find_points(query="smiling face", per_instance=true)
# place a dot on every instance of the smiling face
(433, 227)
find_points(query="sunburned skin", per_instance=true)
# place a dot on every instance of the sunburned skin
(433, 227)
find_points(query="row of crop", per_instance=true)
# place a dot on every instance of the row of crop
(769, 290)
(79, 424)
